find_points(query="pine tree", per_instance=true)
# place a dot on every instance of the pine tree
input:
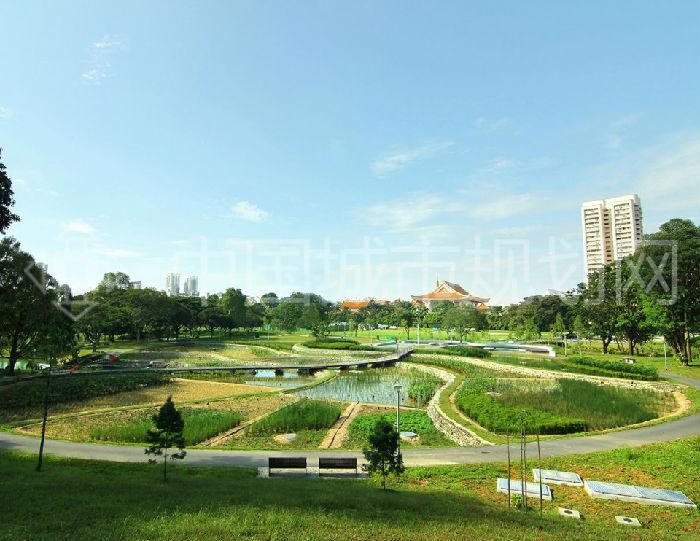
(166, 434)
(383, 457)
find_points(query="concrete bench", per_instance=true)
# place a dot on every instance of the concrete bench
(286, 463)
(336, 464)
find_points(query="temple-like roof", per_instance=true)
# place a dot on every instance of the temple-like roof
(447, 291)
(356, 305)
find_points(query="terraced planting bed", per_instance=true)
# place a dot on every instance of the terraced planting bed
(557, 406)
(308, 420)
(124, 426)
(416, 421)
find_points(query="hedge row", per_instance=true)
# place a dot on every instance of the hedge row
(642, 372)
(75, 388)
(347, 345)
(458, 351)
(500, 418)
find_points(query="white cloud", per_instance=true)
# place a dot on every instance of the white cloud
(78, 226)
(671, 179)
(115, 252)
(399, 160)
(95, 76)
(99, 65)
(6, 112)
(404, 213)
(491, 124)
(505, 206)
(250, 212)
(614, 139)
(109, 42)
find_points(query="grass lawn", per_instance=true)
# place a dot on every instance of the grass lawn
(80, 499)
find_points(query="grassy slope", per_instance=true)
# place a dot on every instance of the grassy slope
(77, 499)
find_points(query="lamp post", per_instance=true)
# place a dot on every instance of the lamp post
(665, 356)
(397, 388)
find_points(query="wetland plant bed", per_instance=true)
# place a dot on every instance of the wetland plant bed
(74, 388)
(200, 425)
(305, 414)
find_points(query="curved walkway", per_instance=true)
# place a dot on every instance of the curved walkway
(671, 430)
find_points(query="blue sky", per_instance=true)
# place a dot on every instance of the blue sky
(350, 148)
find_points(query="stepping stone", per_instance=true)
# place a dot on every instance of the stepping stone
(627, 521)
(571, 513)
(285, 438)
(556, 477)
(532, 490)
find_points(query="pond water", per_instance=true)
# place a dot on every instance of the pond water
(373, 386)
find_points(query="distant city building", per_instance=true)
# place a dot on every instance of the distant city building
(172, 284)
(191, 288)
(135, 285)
(355, 306)
(454, 293)
(612, 230)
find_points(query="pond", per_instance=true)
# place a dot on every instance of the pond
(374, 386)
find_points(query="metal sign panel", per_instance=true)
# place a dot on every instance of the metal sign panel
(532, 490)
(558, 477)
(652, 496)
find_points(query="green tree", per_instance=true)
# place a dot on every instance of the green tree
(6, 199)
(315, 318)
(632, 322)
(463, 319)
(270, 299)
(581, 330)
(382, 455)
(559, 330)
(29, 300)
(530, 329)
(166, 435)
(599, 305)
(681, 311)
(233, 304)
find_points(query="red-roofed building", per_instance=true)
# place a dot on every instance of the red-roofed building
(354, 306)
(454, 293)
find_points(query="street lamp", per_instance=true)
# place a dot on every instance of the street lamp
(397, 388)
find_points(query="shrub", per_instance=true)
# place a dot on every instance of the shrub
(75, 388)
(338, 343)
(305, 414)
(458, 351)
(640, 372)
(460, 367)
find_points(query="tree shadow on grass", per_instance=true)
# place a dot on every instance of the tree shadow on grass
(90, 499)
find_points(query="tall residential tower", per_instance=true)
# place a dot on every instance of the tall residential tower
(191, 287)
(172, 284)
(612, 230)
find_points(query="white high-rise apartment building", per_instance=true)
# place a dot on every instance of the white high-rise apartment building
(191, 287)
(612, 230)
(172, 284)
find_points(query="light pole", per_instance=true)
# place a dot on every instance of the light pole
(397, 388)
(665, 357)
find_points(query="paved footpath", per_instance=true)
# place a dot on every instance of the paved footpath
(671, 430)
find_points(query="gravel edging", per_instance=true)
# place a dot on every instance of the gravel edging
(456, 432)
